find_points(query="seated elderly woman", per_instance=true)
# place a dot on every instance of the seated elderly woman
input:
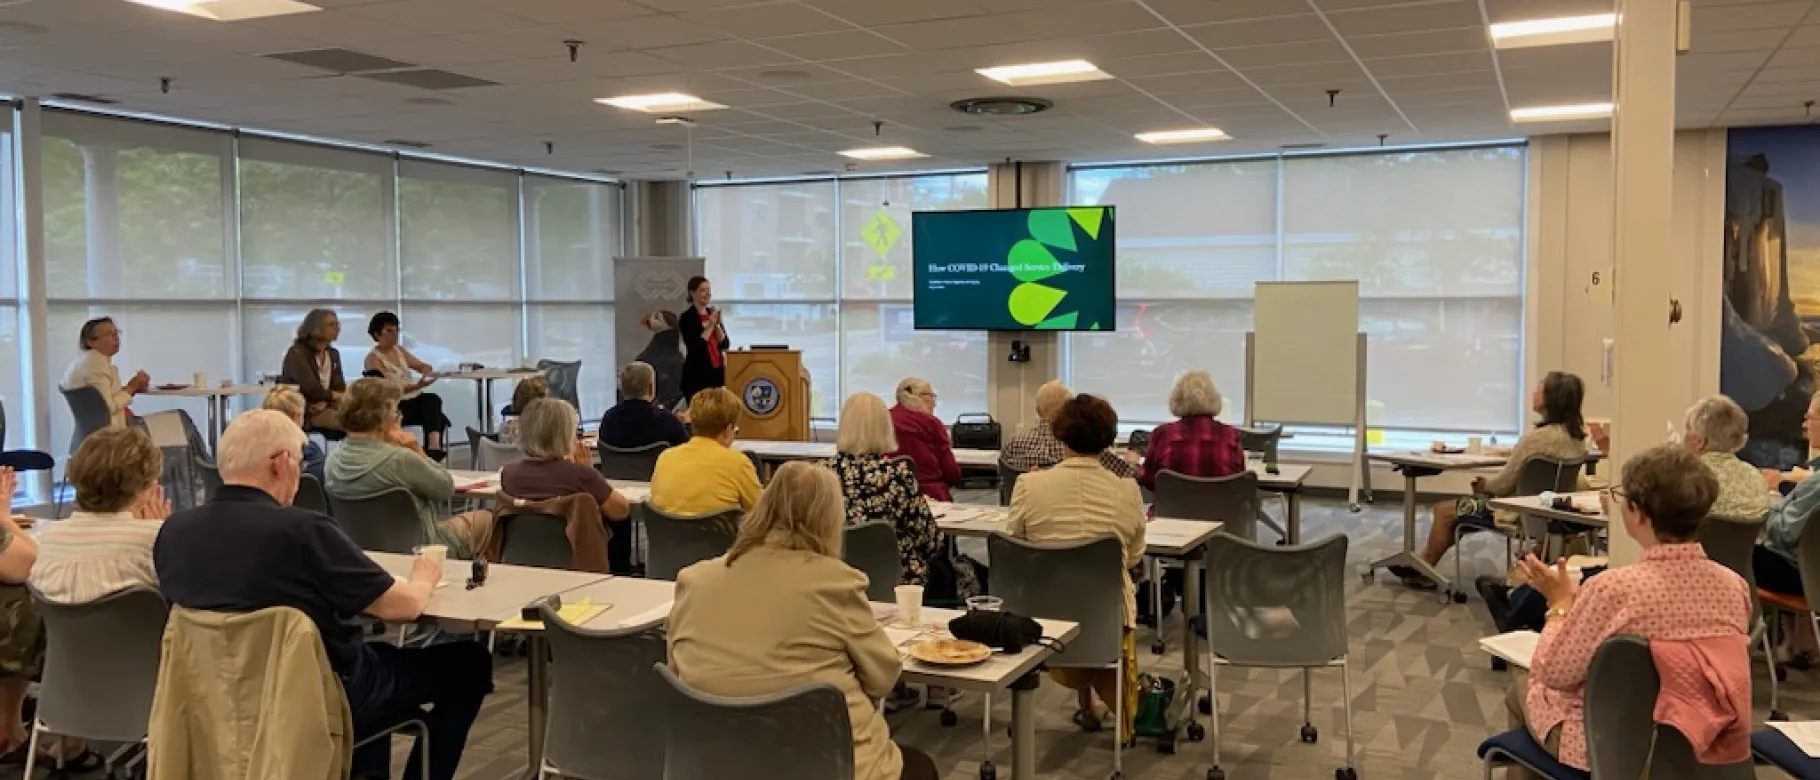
(877, 486)
(705, 474)
(523, 394)
(290, 402)
(1035, 447)
(1775, 560)
(781, 610)
(105, 546)
(556, 464)
(1076, 501)
(1694, 612)
(1715, 430)
(922, 437)
(378, 457)
(1196, 444)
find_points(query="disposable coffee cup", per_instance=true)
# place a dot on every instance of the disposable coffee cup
(910, 604)
(1475, 445)
(199, 380)
(435, 552)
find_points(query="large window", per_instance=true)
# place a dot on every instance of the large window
(1435, 238)
(823, 265)
(209, 249)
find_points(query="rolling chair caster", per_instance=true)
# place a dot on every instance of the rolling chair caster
(1165, 745)
(1778, 715)
(1499, 665)
(988, 771)
(1459, 596)
(1158, 647)
(1216, 773)
(1196, 732)
(1205, 704)
(949, 719)
(1309, 734)
(1345, 773)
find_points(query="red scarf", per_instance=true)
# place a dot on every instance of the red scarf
(713, 343)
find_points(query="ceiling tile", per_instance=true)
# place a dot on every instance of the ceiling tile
(1754, 16)
(1183, 13)
(955, 33)
(1404, 18)
(1070, 21)
(846, 44)
(563, 11)
(1261, 32)
(1304, 53)
(1450, 62)
(1133, 44)
(647, 32)
(876, 12)
(1298, 75)
(1161, 64)
(1429, 42)
(437, 17)
(765, 21)
(1477, 79)
(725, 54)
(1190, 83)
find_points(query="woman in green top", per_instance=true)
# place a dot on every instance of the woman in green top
(378, 457)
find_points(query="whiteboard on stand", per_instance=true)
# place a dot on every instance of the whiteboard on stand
(1307, 364)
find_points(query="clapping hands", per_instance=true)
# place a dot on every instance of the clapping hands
(152, 505)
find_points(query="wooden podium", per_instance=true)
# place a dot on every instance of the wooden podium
(774, 393)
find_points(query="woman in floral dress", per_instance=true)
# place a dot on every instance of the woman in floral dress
(879, 487)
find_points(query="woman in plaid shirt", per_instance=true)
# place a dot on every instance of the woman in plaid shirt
(1196, 444)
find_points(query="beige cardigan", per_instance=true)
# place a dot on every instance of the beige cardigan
(1078, 500)
(212, 715)
(777, 619)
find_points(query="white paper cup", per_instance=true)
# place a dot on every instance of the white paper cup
(435, 552)
(1475, 445)
(910, 604)
(199, 380)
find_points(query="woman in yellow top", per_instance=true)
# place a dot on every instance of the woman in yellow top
(781, 609)
(1077, 500)
(706, 475)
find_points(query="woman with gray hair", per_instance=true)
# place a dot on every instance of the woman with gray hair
(314, 366)
(1196, 444)
(923, 437)
(1715, 430)
(558, 465)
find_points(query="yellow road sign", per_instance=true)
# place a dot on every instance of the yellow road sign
(881, 233)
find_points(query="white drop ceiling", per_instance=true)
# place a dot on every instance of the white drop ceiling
(806, 79)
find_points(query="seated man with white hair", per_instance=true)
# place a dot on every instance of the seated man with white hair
(637, 421)
(1035, 446)
(249, 549)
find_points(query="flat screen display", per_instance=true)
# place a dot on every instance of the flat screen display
(1014, 269)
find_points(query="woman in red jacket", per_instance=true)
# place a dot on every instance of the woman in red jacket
(923, 437)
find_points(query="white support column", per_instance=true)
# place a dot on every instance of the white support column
(1643, 161)
(38, 380)
(1011, 397)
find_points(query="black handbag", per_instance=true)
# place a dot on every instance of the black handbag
(976, 432)
(1007, 631)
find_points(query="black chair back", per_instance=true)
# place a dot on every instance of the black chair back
(636, 463)
(536, 539)
(871, 547)
(1007, 483)
(386, 522)
(310, 496)
(565, 380)
(679, 541)
(1139, 441)
(101, 664)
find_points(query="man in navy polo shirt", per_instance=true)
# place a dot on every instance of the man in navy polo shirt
(248, 549)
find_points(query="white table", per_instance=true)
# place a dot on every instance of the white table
(1414, 466)
(1532, 506)
(768, 450)
(637, 601)
(217, 398)
(483, 380)
(507, 590)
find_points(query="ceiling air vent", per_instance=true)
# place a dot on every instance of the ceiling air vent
(338, 60)
(407, 143)
(78, 97)
(1002, 106)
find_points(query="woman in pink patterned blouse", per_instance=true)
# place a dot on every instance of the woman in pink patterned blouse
(1673, 596)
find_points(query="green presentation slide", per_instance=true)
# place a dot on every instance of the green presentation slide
(1014, 269)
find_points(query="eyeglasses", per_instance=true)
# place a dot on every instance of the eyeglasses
(1615, 492)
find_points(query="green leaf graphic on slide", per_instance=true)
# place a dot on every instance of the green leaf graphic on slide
(1032, 260)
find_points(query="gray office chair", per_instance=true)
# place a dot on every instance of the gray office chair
(311, 496)
(385, 522)
(1537, 476)
(27, 460)
(565, 380)
(1282, 607)
(90, 412)
(1729, 543)
(602, 684)
(635, 464)
(1622, 736)
(211, 478)
(800, 734)
(1264, 440)
(100, 667)
(1007, 483)
(535, 539)
(1139, 441)
(189, 477)
(677, 541)
(490, 455)
(1232, 500)
(1082, 582)
(871, 547)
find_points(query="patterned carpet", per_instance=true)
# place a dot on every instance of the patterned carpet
(1424, 694)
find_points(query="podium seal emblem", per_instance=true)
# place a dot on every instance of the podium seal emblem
(761, 397)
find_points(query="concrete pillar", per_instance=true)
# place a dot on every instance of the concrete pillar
(1643, 159)
(662, 218)
(1012, 400)
(101, 183)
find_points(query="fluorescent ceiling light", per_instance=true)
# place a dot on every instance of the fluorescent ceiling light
(1554, 32)
(1038, 73)
(1561, 113)
(1193, 135)
(883, 153)
(660, 103)
(230, 10)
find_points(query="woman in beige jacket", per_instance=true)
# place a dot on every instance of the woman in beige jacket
(781, 610)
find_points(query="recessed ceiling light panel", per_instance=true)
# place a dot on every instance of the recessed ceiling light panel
(231, 10)
(1556, 31)
(660, 103)
(1039, 73)
(877, 153)
(1189, 136)
(1561, 113)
